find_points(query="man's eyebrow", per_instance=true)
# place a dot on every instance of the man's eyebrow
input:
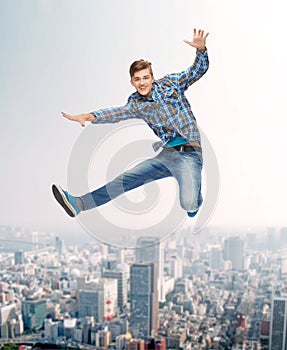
(145, 76)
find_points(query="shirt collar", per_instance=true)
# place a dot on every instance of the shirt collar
(165, 91)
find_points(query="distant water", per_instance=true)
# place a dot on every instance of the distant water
(10, 247)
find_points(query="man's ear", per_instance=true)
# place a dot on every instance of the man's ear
(132, 83)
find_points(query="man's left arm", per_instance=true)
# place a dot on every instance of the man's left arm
(200, 65)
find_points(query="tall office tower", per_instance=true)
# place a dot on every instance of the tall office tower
(151, 250)
(143, 299)
(59, 245)
(98, 299)
(175, 267)
(121, 255)
(233, 251)
(271, 242)
(215, 260)
(278, 324)
(122, 278)
(19, 257)
(34, 313)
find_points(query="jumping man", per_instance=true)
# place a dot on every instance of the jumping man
(164, 107)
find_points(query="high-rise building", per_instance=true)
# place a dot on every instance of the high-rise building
(150, 249)
(278, 324)
(271, 242)
(98, 299)
(143, 299)
(175, 267)
(233, 251)
(34, 313)
(215, 261)
(19, 257)
(122, 278)
(59, 245)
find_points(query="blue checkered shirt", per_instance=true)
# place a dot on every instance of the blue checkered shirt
(168, 111)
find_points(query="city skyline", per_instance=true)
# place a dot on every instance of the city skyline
(219, 290)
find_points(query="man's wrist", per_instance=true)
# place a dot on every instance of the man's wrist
(201, 49)
(90, 117)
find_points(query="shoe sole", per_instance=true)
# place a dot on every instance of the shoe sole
(62, 200)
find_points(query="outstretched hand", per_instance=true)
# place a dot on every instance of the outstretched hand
(199, 39)
(80, 118)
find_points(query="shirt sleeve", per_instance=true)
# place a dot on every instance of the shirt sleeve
(186, 78)
(114, 114)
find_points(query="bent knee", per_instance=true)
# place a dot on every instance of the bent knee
(191, 205)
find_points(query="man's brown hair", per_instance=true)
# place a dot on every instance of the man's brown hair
(140, 65)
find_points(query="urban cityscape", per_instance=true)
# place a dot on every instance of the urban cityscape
(221, 289)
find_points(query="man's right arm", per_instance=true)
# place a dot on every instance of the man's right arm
(114, 114)
(107, 115)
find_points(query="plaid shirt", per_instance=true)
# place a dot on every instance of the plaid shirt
(168, 112)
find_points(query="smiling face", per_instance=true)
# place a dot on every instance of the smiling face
(142, 80)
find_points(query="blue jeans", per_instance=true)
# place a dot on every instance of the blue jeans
(185, 167)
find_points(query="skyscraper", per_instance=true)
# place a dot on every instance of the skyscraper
(144, 300)
(175, 267)
(233, 251)
(122, 278)
(34, 312)
(19, 257)
(98, 299)
(278, 324)
(150, 250)
(215, 261)
(59, 245)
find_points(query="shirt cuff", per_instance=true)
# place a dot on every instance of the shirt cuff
(204, 51)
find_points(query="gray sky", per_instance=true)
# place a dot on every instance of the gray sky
(74, 56)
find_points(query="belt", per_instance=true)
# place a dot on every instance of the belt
(187, 148)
